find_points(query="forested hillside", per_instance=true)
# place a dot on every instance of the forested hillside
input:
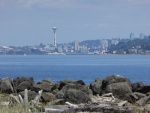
(143, 44)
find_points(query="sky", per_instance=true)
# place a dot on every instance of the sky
(30, 22)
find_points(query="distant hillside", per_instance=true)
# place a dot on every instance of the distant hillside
(90, 43)
(143, 44)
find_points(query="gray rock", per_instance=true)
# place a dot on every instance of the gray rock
(74, 93)
(23, 85)
(144, 89)
(48, 97)
(79, 82)
(55, 91)
(65, 82)
(139, 95)
(143, 101)
(76, 96)
(44, 85)
(60, 95)
(133, 97)
(115, 79)
(82, 88)
(18, 80)
(119, 90)
(136, 86)
(96, 86)
(6, 85)
(31, 94)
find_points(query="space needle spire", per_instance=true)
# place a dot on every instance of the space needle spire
(54, 29)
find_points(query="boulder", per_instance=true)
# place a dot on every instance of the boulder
(143, 101)
(136, 86)
(44, 85)
(115, 79)
(82, 88)
(18, 80)
(119, 90)
(6, 85)
(133, 97)
(144, 89)
(74, 96)
(148, 94)
(61, 84)
(79, 82)
(96, 86)
(23, 85)
(60, 95)
(31, 94)
(55, 91)
(47, 97)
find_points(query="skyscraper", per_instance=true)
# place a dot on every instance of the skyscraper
(76, 45)
(131, 36)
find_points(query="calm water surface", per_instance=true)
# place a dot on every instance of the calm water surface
(85, 67)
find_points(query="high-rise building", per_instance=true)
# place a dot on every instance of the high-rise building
(76, 45)
(131, 36)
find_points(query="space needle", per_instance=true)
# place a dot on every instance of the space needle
(54, 29)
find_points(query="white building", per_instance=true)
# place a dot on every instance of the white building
(104, 44)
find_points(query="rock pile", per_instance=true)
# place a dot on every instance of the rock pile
(77, 92)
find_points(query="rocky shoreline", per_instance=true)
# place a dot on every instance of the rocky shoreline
(115, 93)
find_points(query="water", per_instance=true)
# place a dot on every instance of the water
(76, 67)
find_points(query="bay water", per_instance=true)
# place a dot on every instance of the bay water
(76, 67)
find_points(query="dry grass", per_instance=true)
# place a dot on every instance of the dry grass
(18, 108)
(4, 97)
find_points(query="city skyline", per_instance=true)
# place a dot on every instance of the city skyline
(26, 22)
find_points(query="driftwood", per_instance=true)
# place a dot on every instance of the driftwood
(88, 108)
(71, 105)
(21, 99)
(35, 103)
(122, 103)
(106, 98)
(14, 99)
(26, 98)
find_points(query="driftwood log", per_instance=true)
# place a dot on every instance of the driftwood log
(35, 103)
(102, 108)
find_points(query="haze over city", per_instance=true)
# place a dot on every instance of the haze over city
(29, 22)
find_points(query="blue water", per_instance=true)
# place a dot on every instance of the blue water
(85, 67)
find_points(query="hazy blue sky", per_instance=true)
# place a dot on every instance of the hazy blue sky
(30, 22)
